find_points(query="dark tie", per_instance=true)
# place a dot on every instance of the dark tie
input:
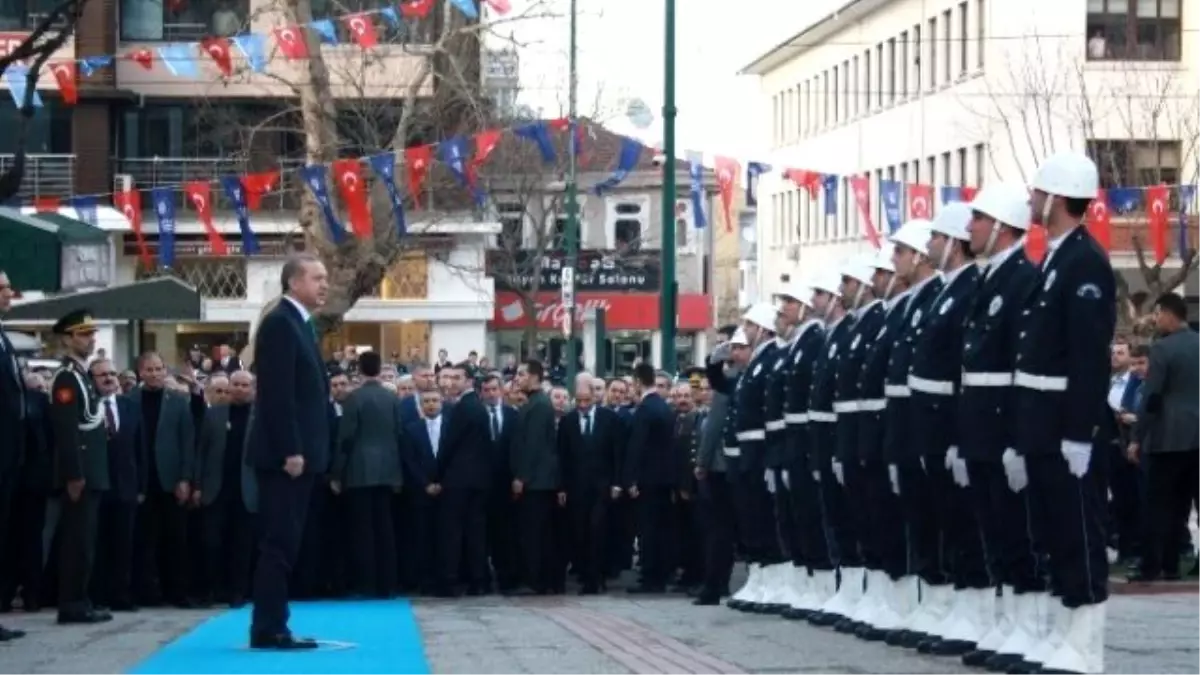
(495, 423)
(110, 420)
(312, 326)
(587, 425)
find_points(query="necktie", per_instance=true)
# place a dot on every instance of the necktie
(495, 423)
(312, 326)
(587, 425)
(110, 420)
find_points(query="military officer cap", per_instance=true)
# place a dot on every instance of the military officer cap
(78, 321)
(694, 375)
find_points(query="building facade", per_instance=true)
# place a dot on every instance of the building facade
(956, 93)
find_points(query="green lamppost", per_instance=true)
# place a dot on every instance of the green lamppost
(667, 294)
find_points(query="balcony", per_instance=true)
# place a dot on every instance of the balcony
(45, 176)
(215, 278)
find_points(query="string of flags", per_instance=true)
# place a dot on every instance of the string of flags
(181, 59)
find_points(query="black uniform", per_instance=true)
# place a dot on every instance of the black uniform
(884, 527)
(1061, 379)
(822, 425)
(756, 515)
(987, 423)
(808, 544)
(776, 445)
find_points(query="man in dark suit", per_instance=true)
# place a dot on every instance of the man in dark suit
(536, 477)
(465, 470)
(12, 420)
(227, 361)
(423, 496)
(127, 478)
(366, 471)
(501, 511)
(168, 439)
(589, 444)
(27, 563)
(289, 442)
(651, 473)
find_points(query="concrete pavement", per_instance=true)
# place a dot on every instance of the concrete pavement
(613, 634)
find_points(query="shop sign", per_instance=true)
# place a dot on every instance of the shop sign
(623, 311)
(596, 270)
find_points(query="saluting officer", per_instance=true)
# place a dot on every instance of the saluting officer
(910, 256)
(877, 501)
(756, 518)
(822, 424)
(81, 466)
(999, 221)
(1064, 338)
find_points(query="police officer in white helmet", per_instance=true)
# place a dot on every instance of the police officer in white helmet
(1061, 378)
(1000, 218)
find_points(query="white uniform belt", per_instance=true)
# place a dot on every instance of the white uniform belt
(1040, 382)
(776, 425)
(796, 418)
(935, 387)
(987, 379)
(872, 404)
(752, 435)
(840, 407)
(821, 416)
(896, 391)
(732, 452)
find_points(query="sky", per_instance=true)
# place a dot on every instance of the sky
(621, 56)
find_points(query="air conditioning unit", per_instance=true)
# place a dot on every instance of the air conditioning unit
(793, 252)
(122, 182)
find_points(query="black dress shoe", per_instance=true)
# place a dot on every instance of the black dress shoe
(796, 614)
(825, 619)
(281, 641)
(7, 634)
(85, 617)
(952, 647)
(927, 645)
(870, 633)
(1000, 663)
(977, 657)
(705, 599)
(589, 589)
(1023, 667)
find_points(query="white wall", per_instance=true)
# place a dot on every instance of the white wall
(458, 338)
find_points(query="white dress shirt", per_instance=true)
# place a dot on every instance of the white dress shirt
(305, 315)
(434, 426)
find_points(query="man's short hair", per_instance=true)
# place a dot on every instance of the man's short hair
(1173, 304)
(643, 374)
(1139, 351)
(534, 368)
(293, 268)
(370, 363)
(493, 377)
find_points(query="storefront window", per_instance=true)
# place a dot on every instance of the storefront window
(182, 20)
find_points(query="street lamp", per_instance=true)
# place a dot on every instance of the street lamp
(667, 293)
(572, 233)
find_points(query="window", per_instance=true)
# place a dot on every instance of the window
(946, 166)
(145, 20)
(903, 65)
(845, 89)
(962, 166)
(879, 74)
(867, 80)
(835, 94)
(980, 166)
(800, 119)
(627, 222)
(1134, 30)
(947, 42)
(931, 168)
(1136, 163)
(825, 98)
(891, 88)
(917, 59)
(49, 133)
(807, 106)
(916, 171)
(964, 44)
(512, 225)
(24, 14)
(933, 71)
(980, 32)
(854, 87)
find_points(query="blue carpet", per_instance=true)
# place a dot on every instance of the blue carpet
(363, 637)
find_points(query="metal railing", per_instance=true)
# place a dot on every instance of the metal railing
(217, 278)
(45, 175)
(175, 171)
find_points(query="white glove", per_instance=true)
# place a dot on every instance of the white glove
(769, 476)
(839, 473)
(1078, 456)
(894, 477)
(959, 470)
(951, 457)
(1014, 470)
(817, 476)
(922, 458)
(787, 481)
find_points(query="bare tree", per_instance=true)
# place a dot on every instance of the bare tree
(50, 34)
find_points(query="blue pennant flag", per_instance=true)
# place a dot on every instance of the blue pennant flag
(85, 208)
(753, 171)
(631, 150)
(696, 169)
(164, 208)
(889, 195)
(384, 166)
(89, 65)
(326, 30)
(453, 153)
(15, 76)
(951, 193)
(467, 7)
(829, 183)
(313, 176)
(539, 133)
(1124, 199)
(180, 59)
(254, 47)
(1187, 194)
(237, 196)
(391, 17)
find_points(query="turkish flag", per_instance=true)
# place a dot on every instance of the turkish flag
(362, 30)
(728, 170)
(968, 193)
(218, 49)
(200, 197)
(143, 57)
(291, 42)
(1099, 220)
(809, 180)
(65, 73)
(46, 204)
(417, 161)
(416, 9)
(258, 184)
(862, 197)
(129, 203)
(485, 143)
(1157, 206)
(920, 200)
(349, 176)
(1035, 243)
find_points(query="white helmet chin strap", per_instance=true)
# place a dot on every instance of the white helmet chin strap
(946, 253)
(891, 286)
(1046, 208)
(862, 288)
(991, 242)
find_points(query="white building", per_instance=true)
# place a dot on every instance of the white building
(957, 93)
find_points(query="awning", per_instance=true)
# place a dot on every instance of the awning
(23, 342)
(30, 251)
(161, 299)
(72, 231)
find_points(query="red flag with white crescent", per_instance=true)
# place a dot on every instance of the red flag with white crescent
(1157, 209)
(485, 143)
(810, 181)
(1099, 220)
(200, 197)
(353, 189)
(416, 9)
(258, 184)
(291, 41)
(920, 200)
(968, 193)
(65, 73)
(143, 57)
(46, 204)
(362, 30)
(862, 197)
(728, 170)
(416, 162)
(218, 49)
(129, 203)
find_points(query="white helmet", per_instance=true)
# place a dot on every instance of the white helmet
(798, 291)
(914, 234)
(861, 269)
(829, 282)
(761, 314)
(952, 220)
(739, 338)
(1008, 203)
(882, 260)
(1068, 174)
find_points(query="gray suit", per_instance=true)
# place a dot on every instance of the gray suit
(535, 445)
(371, 430)
(711, 456)
(174, 439)
(1169, 419)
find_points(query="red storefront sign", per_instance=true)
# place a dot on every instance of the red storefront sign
(625, 311)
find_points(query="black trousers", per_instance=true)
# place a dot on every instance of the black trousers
(889, 522)
(785, 520)
(966, 544)
(1172, 479)
(926, 487)
(755, 507)
(23, 557)
(1126, 508)
(716, 504)
(907, 554)
(77, 551)
(622, 523)
(283, 504)
(413, 514)
(162, 558)
(843, 507)
(111, 583)
(869, 500)
(588, 508)
(1070, 514)
(811, 547)
(372, 539)
(538, 545)
(462, 536)
(9, 544)
(688, 543)
(1007, 528)
(228, 533)
(654, 534)
(502, 538)
(307, 578)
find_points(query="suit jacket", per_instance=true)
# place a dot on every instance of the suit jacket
(127, 468)
(210, 452)
(590, 464)
(410, 409)
(420, 464)
(463, 461)
(499, 449)
(293, 394)
(651, 459)
(370, 433)
(711, 456)
(1170, 413)
(535, 447)
(174, 438)
(234, 364)
(37, 471)
(12, 405)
